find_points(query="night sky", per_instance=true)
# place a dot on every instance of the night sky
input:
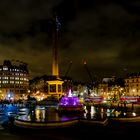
(105, 33)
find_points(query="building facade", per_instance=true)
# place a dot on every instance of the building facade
(132, 85)
(14, 80)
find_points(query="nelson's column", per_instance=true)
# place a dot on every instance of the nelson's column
(55, 85)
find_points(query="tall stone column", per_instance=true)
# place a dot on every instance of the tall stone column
(55, 85)
(55, 68)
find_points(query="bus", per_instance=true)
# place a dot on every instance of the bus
(95, 99)
(130, 99)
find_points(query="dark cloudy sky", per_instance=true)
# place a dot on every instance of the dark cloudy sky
(105, 33)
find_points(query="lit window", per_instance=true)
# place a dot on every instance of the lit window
(11, 77)
(17, 82)
(5, 68)
(5, 77)
(16, 78)
(11, 82)
(4, 82)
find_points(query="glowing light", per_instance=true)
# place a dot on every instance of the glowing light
(134, 114)
(69, 100)
(69, 93)
(133, 90)
(9, 95)
(92, 112)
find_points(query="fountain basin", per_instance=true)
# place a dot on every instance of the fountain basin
(46, 125)
(70, 109)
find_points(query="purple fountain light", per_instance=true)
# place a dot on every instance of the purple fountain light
(68, 100)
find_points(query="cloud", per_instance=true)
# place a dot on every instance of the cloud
(104, 33)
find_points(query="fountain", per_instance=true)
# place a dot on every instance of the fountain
(70, 104)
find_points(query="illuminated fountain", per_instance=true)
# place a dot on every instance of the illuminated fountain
(70, 104)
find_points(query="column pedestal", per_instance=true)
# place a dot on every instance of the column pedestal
(55, 88)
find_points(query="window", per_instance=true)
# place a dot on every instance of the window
(17, 82)
(16, 78)
(59, 88)
(4, 82)
(5, 68)
(53, 88)
(11, 77)
(25, 79)
(5, 78)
